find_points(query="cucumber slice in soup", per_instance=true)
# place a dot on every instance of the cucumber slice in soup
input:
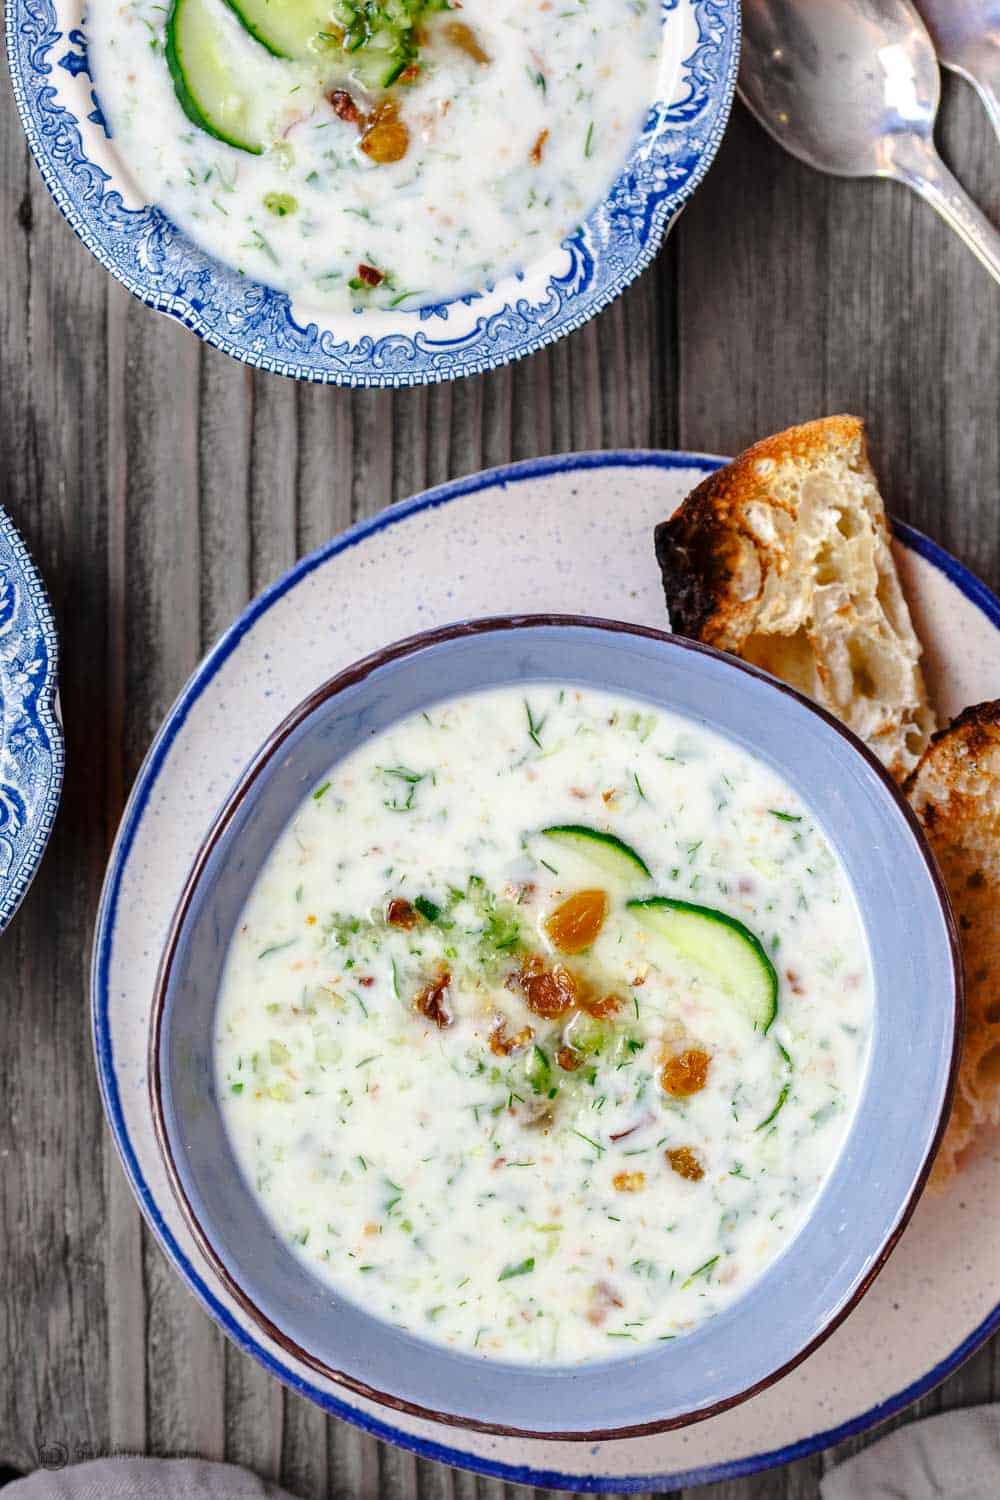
(206, 81)
(722, 946)
(604, 850)
(287, 28)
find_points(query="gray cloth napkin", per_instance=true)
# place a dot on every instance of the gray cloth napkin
(144, 1479)
(955, 1456)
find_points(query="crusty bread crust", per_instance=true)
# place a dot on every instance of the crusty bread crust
(699, 549)
(783, 557)
(955, 792)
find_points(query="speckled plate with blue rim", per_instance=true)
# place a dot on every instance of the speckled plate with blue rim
(31, 743)
(576, 538)
(137, 243)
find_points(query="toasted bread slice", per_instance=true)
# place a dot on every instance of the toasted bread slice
(783, 558)
(955, 792)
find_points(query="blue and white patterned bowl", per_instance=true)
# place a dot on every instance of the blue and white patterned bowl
(137, 243)
(31, 743)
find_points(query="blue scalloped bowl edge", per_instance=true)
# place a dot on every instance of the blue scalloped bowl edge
(970, 586)
(46, 716)
(260, 338)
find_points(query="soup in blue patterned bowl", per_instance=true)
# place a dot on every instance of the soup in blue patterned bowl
(386, 192)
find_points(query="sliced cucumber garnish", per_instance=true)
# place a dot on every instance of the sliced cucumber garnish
(287, 28)
(722, 946)
(206, 81)
(604, 850)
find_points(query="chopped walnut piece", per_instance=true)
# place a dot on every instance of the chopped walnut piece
(685, 1073)
(400, 913)
(629, 1182)
(548, 992)
(502, 1045)
(539, 147)
(464, 38)
(539, 1117)
(686, 1163)
(345, 108)
(432, 1000)
(577, 921)
(601, 1009)
(602, 1298)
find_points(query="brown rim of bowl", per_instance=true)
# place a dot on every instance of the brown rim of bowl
(358, 673)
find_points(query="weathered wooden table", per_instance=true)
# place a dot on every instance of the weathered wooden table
(160, 485)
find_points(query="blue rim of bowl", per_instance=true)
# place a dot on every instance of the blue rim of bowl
(971, 587)
(254, 324)
(358, 672)
(44, 714)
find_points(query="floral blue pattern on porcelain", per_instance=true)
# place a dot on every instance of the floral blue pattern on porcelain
(31, 745)
(140, 246)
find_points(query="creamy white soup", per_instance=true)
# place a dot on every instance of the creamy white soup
(544, 1023)
(387, 163)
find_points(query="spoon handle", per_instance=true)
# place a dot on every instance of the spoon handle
(981, 67)
(915, 162)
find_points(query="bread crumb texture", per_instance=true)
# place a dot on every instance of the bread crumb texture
(783, 557)
(955, 792)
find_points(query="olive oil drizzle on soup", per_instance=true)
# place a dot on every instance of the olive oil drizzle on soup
(311, 173)
(543, 1024)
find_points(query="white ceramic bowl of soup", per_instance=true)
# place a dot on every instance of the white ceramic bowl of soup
(542, 164)
(528, 1041)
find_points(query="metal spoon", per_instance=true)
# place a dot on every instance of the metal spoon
(966, 34)
(852, 87)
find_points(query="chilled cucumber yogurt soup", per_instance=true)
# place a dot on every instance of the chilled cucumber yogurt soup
(386, 154)
(543, 1024)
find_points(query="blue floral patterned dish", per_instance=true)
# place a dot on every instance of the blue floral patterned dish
(137, 243)
(31, 743)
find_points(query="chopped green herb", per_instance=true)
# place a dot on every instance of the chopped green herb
(276, 948)
(702, 1270)
(535, 726)
(786, 1089)
(520, 1269)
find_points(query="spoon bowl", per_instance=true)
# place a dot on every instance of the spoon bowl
(852, 87)
(966, 34)
(835, 81)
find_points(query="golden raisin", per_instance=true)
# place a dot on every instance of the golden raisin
(386, 138)
(464, 38)
(629, 1182)
(575, 923)
(685, 1163)
(432, 1001)
(400, 913)
(685, 1073)
(548, 992)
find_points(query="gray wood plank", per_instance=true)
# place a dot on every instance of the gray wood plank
(53, 1318)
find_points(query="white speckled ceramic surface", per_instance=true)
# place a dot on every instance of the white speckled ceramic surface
(576, 537)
